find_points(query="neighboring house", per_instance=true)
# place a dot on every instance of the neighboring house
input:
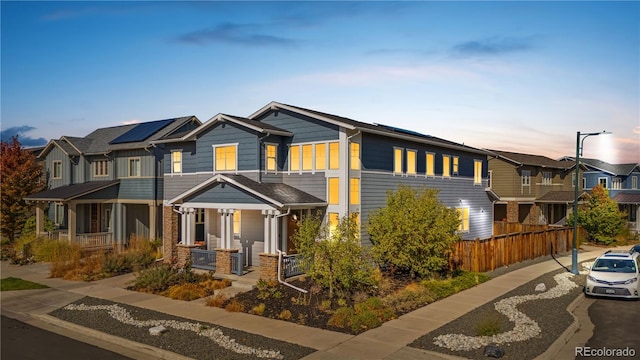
(241, 183)
(531, 189)
(106, 186)
(621, 180)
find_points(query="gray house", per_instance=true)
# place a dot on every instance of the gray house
(240, 183)
(108, 185)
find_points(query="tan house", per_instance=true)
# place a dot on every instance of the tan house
(530, 189)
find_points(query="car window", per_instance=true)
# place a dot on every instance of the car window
(614, 265)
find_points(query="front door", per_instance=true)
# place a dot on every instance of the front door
(199, 225)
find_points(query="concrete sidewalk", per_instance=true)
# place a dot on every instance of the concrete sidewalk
(388, 341)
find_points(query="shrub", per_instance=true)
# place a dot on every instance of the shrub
(489, 325)
(342, 317)
(285, 315)
(259, 310)
(365, 320)
(325, 305)
(155, 279)
(186, 292)
(217, 300)
(234, 306)
(408, 299)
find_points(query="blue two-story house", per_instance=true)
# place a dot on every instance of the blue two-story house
(108, 185)
(242, 182)
(621, 180)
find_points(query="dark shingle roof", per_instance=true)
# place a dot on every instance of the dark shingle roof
(627, 197)
(559, 197)
(282, 193)
(70, 192)
(258, 124)
(614, 169)
(533, 160)
(66, 147)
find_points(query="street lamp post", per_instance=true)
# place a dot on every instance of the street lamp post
(579, 146)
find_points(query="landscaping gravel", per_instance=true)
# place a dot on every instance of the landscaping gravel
(197, 340)
(551, 315)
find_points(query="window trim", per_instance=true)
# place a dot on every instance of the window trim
(606, 182)
(354, 191)
(53, 169)
(415, 162)
(455, 165)
(173, 162)
(332, 160)
(333, 183)
(398, 162)
(547, 178)
(139, 167)
(446, 174)
(310, 158)
(274, 157)
(433, 164)
(524, 177)
(463, 221)
(634, 182)
(323, 159)
(215, 146)
(355, 160)
(616, 183)
(58, 215)
(477, 173)
(237, 214)
(95, 167)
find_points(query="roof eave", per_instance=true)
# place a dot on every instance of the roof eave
(276, 105)
(425, 141)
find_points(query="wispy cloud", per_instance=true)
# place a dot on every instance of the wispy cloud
(7, 134)
(231, 33)
(493, 46)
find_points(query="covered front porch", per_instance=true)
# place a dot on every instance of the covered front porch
(235, 215)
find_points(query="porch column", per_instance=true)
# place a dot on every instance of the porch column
(223, 228)
(72, 221)
(39, 218)
(265, 216)
(274, 231)
(153, 213)
(192, 226)
(229, 220)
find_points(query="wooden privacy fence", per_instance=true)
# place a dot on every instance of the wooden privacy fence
(503, 227)
(502, 250)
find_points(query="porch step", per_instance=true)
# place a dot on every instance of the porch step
(243, 285)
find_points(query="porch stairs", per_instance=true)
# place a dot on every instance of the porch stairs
(239, 284)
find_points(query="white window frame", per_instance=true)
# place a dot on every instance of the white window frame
(214, 157)
(107, 219)
(173, 162)
(584, 183)
(267, 157)
(237, 214)
(477, 175)
(56, 164)
(58, 214)
(354, 191)
(525, 178)
(461, 213)
(139, 167)
(606, 182)
(433, 164)
(104, 166)
(446, 174)
(455, 165)
(547, 178)
(398, 161)
(355, 160)
(616, 183)
(634, 182)
(415, 162)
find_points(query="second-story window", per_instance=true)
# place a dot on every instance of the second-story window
(176, 162)
(334, 191)
(294, 158)
(397, 160)
(456, 162)
(321, 156)
(446, 166)
(547, 178)
(271, 161)
(100, 168)
(355, 156)
(526, 178)
(634, 182)
(477, 172)
(57, 170)
(134, 167)
(616, 183)
(334, 156)
(225, 157)
(431, 167)
(604, 182)
(354, 191)
(412, 162)
(307, 157)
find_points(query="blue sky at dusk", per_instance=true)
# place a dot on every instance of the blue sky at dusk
(515, 76)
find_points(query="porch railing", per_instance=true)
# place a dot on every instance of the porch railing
(203, 259)
(237, 263)
(95, 240)
(293, 265)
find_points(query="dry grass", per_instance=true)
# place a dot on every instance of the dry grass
(217, 300)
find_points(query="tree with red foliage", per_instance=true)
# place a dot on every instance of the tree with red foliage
(20, 175)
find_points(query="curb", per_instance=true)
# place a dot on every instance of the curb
(564, 338)
(140, 350)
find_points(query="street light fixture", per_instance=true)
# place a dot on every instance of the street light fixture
(579, 145)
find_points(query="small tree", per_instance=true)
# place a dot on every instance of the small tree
(20, 176)
(336, 259)
(414, 232)
(600, 217)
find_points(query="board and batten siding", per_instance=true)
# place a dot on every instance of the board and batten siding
(56, 154)
(91, 172)
(147, 163)
(304, 128)
(224, 193)
(223, 134)
(374, 188)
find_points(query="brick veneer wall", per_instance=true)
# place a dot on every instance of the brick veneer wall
(169, 234)
(184, 254)
(512, 211)
(223, 260)
(268, 266)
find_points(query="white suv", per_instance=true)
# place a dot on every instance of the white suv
(615, 274)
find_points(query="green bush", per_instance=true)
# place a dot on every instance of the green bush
(489, 325)
(160, 277)
(341, 318)
(365, 320)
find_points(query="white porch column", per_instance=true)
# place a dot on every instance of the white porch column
(185, 226)
(274, 230)
(223, 228)
(153, 213)
(265, 216)
(72, 221)
(229, 221)
(191, 231)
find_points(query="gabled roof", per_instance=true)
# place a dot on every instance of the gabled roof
(221, 118)
(70, 192)
(627, 197)
(563, 197)
(532, 160)
(379, 129)
(98, 141)
(613, 169)
(281, 195)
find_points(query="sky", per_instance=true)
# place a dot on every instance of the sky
(510, 75)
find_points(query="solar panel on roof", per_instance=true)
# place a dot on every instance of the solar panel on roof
(403, 131)
(141, 131)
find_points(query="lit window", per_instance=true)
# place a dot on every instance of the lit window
(455, 165)
(134, 167)
(271, 157)
(321, 156)
(294, 158)
(397, 161)
(431, 168)
(57, 170)
(334, 191)
(547, 178)
(477, 172)
(446, 165)
(225, 157)
(354, 191)
(307, 157)
(526, 177)
(355, 156)
(334, 156)
(411, 162)
(334, 219)
(100, 168)
(236, 222)
(463, 215)
(176, 162)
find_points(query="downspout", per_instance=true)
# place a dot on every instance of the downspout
(155, 185)
(280, 262)
(260, 156)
